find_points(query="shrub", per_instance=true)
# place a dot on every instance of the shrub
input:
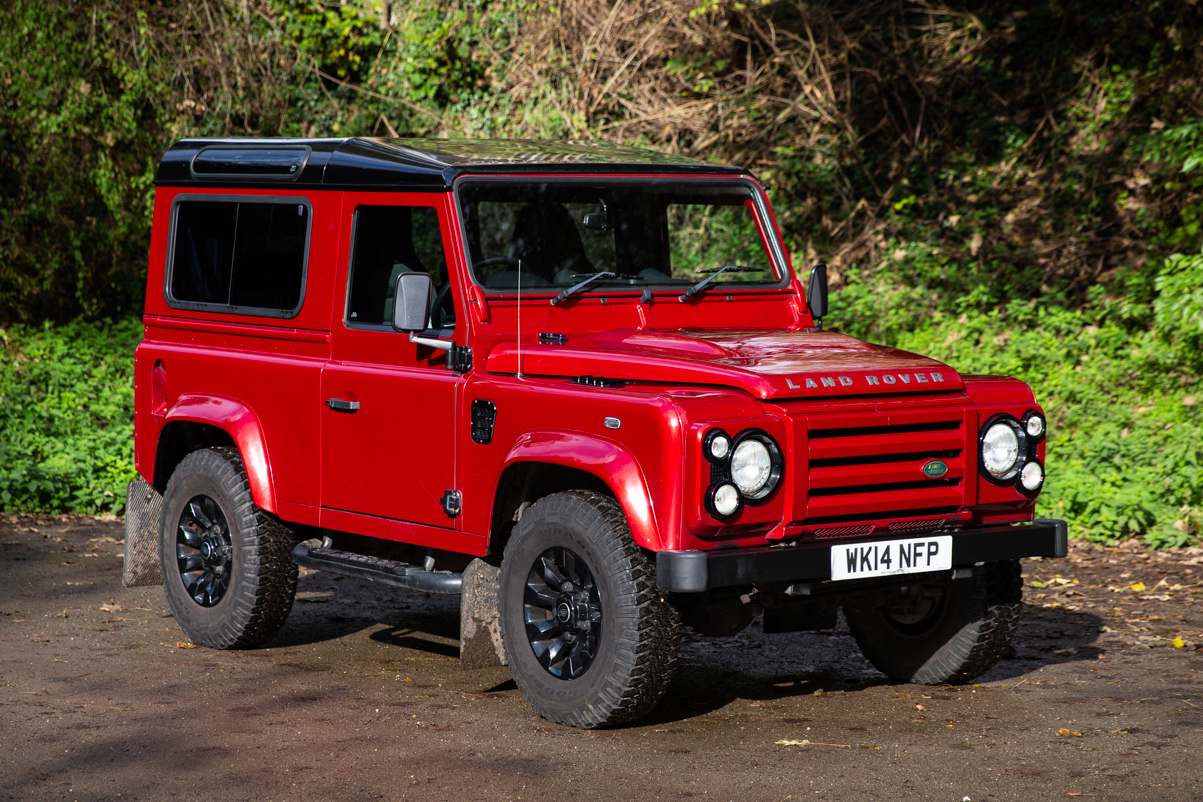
(67, 416)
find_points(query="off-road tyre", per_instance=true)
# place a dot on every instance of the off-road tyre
(262, 575)
(640, 632)
(963, 638)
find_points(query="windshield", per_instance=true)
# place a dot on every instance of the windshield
(646, 232)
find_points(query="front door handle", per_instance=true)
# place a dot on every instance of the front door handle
(339, 405)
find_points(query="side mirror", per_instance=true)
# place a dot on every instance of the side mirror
(411, 301)
(816, 294)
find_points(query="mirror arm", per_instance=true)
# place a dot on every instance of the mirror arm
(430, 342)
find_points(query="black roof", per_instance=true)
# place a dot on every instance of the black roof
(404, 163)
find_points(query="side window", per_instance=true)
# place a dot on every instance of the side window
(240, 256)
(390, 240)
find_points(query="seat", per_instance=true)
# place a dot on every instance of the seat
(548, 242)
(391, 290)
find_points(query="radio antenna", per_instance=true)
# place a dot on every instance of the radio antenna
(519, 318)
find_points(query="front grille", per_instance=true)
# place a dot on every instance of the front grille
(870, 466)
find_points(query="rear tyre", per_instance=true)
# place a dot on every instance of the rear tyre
(589, 639)
(227, 566)
(943, 632)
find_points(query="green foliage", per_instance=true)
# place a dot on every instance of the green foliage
(1179, 305)
(67, 416)
(77, 144)
(339, 39)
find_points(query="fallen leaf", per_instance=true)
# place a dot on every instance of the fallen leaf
(1138, 587)
(790, 742)
(110, 608)
(1064, 733)
(920, 707)
(183, 644)
(1178, 642)
(1037, 584)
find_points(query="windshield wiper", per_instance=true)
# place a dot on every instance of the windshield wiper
(717, 271)
(589, 279)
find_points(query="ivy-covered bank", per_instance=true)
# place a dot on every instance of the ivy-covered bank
(67, 416)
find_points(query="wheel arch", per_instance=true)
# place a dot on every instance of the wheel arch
(542, 463)
(204, 421)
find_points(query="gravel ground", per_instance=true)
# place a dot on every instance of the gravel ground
(361, 697)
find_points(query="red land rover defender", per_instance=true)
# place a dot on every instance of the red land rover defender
(579, 385)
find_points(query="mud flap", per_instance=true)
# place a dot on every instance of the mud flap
(479, 618)
(142, 507)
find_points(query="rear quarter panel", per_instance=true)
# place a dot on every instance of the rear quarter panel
(271, 366)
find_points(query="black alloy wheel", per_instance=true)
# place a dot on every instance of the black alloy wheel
(941, 632)
(203, 550)
(227, 565)
(589, 638)
(563, 612)
(916, 611)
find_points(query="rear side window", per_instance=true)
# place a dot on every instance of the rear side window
(242, 256)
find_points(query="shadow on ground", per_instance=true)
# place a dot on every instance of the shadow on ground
(713, 672)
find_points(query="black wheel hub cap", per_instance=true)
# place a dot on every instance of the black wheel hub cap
(562, 610)
(203, 550)
(917, 610)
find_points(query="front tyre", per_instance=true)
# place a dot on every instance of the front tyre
(942, 632)
(589, 640)
(227, 566)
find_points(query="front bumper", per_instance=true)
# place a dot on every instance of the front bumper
(698, 571)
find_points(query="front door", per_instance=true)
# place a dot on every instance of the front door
(389, 405)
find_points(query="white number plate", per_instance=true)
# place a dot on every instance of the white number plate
(890, 557)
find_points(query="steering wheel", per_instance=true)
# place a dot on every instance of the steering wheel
(442, 311)
(496, 260)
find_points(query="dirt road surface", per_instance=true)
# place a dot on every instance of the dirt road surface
(361, 697)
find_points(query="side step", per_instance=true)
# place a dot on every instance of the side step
(315, 554)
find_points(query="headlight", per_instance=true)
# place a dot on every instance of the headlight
(1000, 449)
(743, 470)
(718, 446)
(1034, 426)
(751, 467)
(725, 500)
(1032, 476)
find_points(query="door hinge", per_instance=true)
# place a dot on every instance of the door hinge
(459, 358)
(452, 503)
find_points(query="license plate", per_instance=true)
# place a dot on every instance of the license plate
(891, 557)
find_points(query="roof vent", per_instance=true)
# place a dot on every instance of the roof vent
(281, 163)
